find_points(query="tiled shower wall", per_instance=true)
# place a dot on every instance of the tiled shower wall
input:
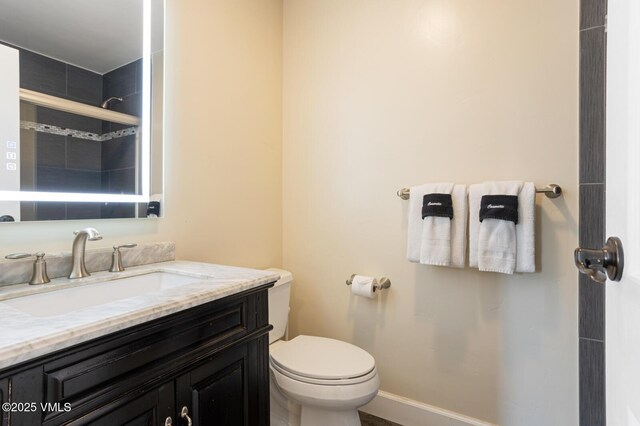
(67, 164)
(62, 163)
(592, 207)
(119, 154)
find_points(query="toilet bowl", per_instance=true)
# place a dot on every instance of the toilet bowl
(315, 381)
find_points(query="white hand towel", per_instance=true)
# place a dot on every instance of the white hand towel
(459, 226)
(435, 246)
(475, 194)
(414, 228)
(525, 229)
(497, 242)
(446, 244)
(415, 225)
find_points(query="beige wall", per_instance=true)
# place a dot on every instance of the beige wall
(384, 94)
(223, 141)
(378, 95)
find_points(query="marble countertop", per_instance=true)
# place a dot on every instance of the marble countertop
(25, 336)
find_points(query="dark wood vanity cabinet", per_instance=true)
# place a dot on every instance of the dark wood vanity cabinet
(218, 391)
(152, 407)
(211, 359)
(4, 397)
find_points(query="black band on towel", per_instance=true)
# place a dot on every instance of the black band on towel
(153, 208)
(439, 205)
(502, 207)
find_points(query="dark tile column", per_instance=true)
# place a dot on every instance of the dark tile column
(119, 154)
(592, 207)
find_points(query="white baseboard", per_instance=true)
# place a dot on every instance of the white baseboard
(408, 412)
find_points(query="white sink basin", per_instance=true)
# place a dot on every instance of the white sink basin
(60, 302)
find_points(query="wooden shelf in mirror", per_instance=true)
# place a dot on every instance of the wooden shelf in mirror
(78, 108)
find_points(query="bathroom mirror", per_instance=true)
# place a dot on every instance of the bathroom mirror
(81, 96)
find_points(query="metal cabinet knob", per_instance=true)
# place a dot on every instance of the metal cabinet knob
(599, 264)
(184, 413)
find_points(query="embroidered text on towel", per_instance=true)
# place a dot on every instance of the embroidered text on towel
(439, 205)
(502, 207)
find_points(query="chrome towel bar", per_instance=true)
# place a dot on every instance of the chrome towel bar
(551, 191)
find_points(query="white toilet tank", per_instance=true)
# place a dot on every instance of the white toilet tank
(279, 296)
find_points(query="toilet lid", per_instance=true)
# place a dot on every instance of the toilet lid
(322, 358)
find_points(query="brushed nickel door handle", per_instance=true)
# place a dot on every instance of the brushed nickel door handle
(599, 264)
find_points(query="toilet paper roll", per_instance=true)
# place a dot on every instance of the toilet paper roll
(363, 286)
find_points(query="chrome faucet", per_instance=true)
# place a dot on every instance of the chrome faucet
(79, 270)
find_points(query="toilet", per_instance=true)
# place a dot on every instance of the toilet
(315, 381)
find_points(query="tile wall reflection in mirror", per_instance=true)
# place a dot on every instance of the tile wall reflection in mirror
(81, 123)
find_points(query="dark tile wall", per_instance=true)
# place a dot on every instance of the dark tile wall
(592, 207)
(63, 163)
(84, 210)
(118, 155)
(57, 78)
(67, 164)
(125, 82)
(118, 210)
(51, 211)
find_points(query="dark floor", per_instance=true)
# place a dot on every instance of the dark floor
(371, 420)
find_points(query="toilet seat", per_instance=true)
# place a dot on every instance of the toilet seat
(335, 397)
(330, 382)
(322, 361)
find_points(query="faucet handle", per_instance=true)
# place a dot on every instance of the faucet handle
(116, 257)
(39, 255)
(18, 255)
(129, 245)
(39, 275)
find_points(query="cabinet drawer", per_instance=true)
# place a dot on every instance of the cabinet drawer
(110, 365)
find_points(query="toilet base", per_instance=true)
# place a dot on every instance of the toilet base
(283, 411)
(309, 401)
(316, 416)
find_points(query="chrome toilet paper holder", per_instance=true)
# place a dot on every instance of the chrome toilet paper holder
(379, 284)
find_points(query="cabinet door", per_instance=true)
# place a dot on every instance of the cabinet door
(26, 388)
(223, 390)
(149, 409)
(4, 397)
